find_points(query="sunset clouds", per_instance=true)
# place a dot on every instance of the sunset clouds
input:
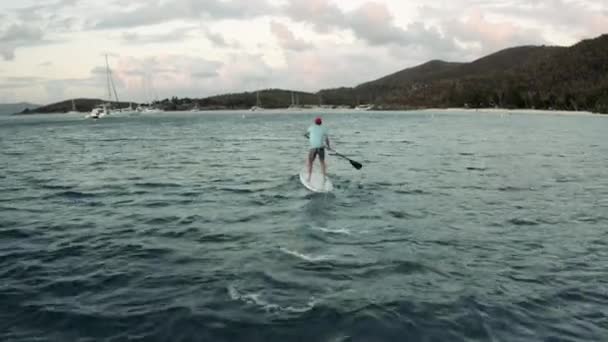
(200, 48)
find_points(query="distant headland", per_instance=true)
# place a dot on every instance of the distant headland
(571, 78)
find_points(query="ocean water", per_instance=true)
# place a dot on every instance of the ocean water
(194, 227)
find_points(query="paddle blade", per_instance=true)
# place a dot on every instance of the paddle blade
(355, 164)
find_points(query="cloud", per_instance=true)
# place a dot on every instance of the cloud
(204, 74)
(286, 38)
(45, 64)
(322, 14)
(557, 13)
(99, 70)
(56, 89)
(18, 35)
(245, 71)
(176, 35)
(20, 82)
(145, 78)
(7, 52)
(323, 43)
(500, 24)
(335, 66)
(219, 41)
(491, 36)
(64, 3)
(157, 12)
(372, 22)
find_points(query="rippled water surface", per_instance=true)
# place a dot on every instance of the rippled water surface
(194, 227)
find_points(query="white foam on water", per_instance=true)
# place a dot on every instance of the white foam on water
(334, 231)
(256, 299)
(309, 258)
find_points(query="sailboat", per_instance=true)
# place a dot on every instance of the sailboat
(258, 103)
(103, 109)
(73, 111)
(295, 102)
(153, 105)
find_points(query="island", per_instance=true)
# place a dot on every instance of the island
(573, 78)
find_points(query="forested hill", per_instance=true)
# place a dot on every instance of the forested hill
(12, 108)
(569, 78)
(541, 77)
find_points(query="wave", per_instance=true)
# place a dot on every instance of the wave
(305, 257)
(157, 185)
(162, 220)
(590, 219)
(156, 204)
(56, 187)
(73, 195)
(218, 237)
(523, 222)
(242, 219)
(13, 153)
(411, 192)
(256, 299)
(174, 234)
(398, 267)
(509, 188)
(237, 190)
(186, 220)
(14, 233)
(343, 231)
(400, 214)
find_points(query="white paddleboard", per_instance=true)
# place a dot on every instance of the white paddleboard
(317, 183)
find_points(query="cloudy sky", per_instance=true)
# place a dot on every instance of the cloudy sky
(52, 50)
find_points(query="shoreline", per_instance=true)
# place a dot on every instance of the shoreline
(513, 111)
(500, 111)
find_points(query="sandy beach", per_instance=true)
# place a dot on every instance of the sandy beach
(512, 111)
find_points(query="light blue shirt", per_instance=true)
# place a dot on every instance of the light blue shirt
(317, 135)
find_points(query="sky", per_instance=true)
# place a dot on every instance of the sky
(52, 50)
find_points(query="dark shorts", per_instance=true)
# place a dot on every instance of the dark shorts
(317, 151)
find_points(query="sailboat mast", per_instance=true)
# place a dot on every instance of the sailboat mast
(108, 80)
(111, 86)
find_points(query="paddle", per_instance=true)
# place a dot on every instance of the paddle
(355, 164)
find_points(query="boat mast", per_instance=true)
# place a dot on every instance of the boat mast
(111, 86)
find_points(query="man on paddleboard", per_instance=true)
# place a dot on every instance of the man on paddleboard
(319, 139)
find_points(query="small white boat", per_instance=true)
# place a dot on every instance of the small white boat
(99, 111)
(364, 107)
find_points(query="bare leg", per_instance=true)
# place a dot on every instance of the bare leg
(311, 160)
(324, 168)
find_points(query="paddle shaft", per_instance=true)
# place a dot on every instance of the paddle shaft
(355, 164)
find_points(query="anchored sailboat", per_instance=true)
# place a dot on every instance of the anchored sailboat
(295, 102)
(73, 111)
(103, 109)
(258, 103)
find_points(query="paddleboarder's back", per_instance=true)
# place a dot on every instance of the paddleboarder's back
(318, 139)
